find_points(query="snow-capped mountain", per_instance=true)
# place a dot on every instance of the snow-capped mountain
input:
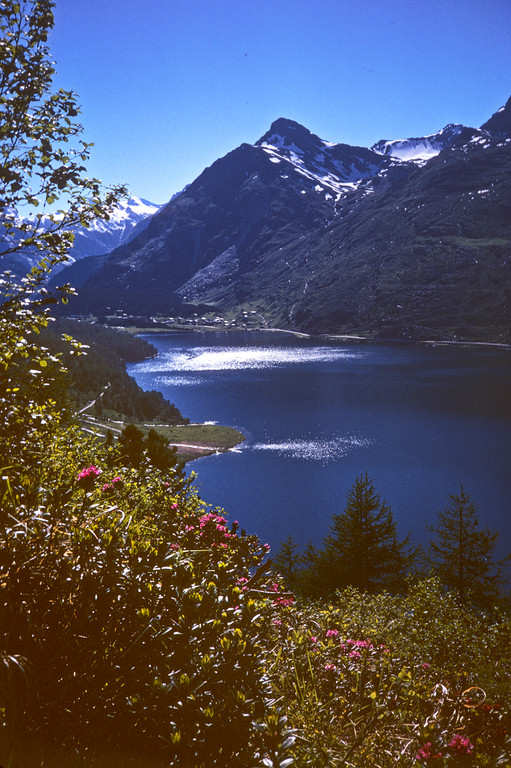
(410, 238)
(334, 168)
(419, 150)
(101, 237)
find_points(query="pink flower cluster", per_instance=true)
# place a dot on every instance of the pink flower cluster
(88, 475)
(116, 483)
(285, 602)
(211, 527)
(425, 753)
(460, 745)
(354, 647)
(216, 520)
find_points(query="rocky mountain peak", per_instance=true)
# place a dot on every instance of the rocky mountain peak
(288, 135)
(499, 123)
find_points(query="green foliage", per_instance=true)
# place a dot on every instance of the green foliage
(136, 450)
(287, 562)
(32, 387)
(371, 680)
(361, 549)
(123, 619)
(102, 371)
(41, 155)
(122, 596)
(135, 620)
(461, 553)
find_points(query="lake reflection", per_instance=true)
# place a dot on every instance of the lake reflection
(420, 420)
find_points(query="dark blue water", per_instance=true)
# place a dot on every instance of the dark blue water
(421, 420)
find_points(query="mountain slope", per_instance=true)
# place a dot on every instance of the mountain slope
(410, 238)
(101, 237)
(256, 198)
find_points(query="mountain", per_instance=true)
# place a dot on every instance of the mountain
(130, 218)
(410, 238)
(420, 150)
(101, 237)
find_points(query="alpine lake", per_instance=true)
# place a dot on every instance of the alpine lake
(421, 419)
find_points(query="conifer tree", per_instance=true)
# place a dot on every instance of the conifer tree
(461, 553)
(287, 561)
(363, 545)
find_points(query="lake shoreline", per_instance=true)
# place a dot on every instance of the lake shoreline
(151, 330)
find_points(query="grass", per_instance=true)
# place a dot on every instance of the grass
(191, 440)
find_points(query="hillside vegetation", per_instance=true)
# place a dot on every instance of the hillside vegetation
(139, 626)
(102, 371)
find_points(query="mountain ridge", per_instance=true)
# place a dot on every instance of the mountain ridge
(331, 238)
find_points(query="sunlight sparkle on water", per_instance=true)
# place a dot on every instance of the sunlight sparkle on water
(230, 359)
(314, 450)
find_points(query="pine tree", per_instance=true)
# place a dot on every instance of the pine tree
(363, 544)
(287, 561)
(461, 553)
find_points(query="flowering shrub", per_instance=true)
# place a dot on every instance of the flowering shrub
(426, 753)
(87, 477)
(137, 631)
(460, 745)
(360, 692)
(134, 617)
(115, 484)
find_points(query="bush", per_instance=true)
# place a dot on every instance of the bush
(380, 680)
(122, 603)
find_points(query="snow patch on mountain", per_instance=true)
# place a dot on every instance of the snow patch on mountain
(101, 236)
(419, 150)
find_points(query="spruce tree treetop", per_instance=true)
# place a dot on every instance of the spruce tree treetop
(364, 544)
(462, 554)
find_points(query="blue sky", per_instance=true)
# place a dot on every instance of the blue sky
(168, 86)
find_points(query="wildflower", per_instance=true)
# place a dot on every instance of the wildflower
(355, 655)
(116, 483)
(460, 745)
(426, 665)
(332, 632)
(285, 602)
(314, 639)
(87, 476)
(330, 667)
(277, 622)
(425, 753)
